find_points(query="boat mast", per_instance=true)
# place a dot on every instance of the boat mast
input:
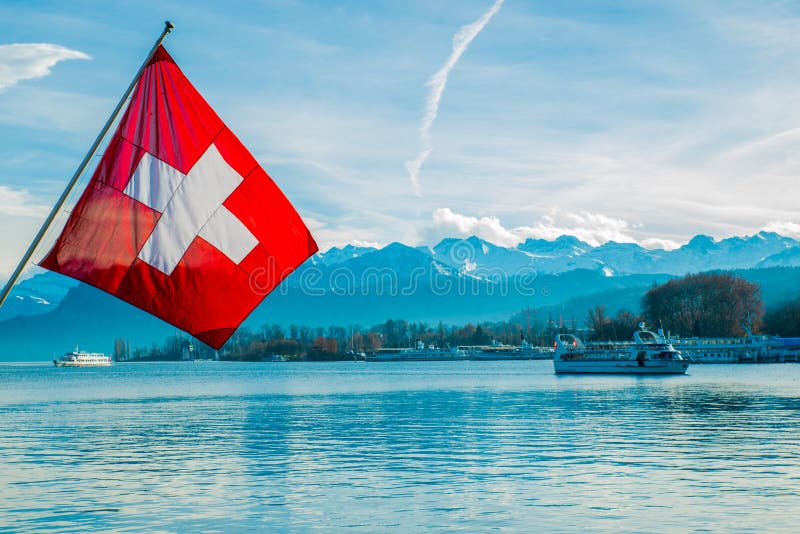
(168, 26)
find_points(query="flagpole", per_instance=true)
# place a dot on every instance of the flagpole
(168, 27)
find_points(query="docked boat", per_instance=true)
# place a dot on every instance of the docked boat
(419, 353)
(751, 348)
(650, 353)
(79, 358)
(501, 351)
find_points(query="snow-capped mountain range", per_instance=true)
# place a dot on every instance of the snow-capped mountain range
(486, 260)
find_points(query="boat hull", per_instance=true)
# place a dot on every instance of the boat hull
(673, 367)
(416, 358)
(74, 364)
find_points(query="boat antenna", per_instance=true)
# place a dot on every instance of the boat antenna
(168, 27)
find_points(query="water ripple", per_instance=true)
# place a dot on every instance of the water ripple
(470, 446)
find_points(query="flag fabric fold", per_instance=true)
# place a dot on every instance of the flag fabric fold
(178, 218)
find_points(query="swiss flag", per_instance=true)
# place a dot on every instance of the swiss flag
(179, 219)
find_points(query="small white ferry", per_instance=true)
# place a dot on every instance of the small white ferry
(81, 358)
(649, 354)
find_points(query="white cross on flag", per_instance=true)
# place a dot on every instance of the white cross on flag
(178, 218)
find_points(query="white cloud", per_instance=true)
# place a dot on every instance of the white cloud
(763, 144)
(27, 61)
(659, 243)
(340, 235)
(20, 217)
(784, 228)
(365, 244)
(17, 232)
(437, 83)
(593, 228)
(446, 223)
(55, 111)
(19, 202)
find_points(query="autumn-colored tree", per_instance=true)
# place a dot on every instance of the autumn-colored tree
(705, 305)
(463, 335)
(323, 348)
(372, 341)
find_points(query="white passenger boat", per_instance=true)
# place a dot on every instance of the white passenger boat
(649, 354)
(81, 358)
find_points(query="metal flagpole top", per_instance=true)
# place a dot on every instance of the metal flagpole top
(168, 27)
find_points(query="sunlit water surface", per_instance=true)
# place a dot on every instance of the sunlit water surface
(471, 446)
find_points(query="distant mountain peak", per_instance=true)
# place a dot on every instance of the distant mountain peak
(335, 255)
(768, 236)
(700, 240)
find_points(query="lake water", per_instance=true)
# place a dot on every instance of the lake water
(373, 447)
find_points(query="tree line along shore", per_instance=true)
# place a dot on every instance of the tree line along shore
(697, 305)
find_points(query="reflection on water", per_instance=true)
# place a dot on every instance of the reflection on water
(402, 446)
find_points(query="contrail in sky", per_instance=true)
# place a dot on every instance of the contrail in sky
(437, 83)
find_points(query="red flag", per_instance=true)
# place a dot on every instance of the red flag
(179, 219)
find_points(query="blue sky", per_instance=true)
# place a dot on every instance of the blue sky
(632, 121)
